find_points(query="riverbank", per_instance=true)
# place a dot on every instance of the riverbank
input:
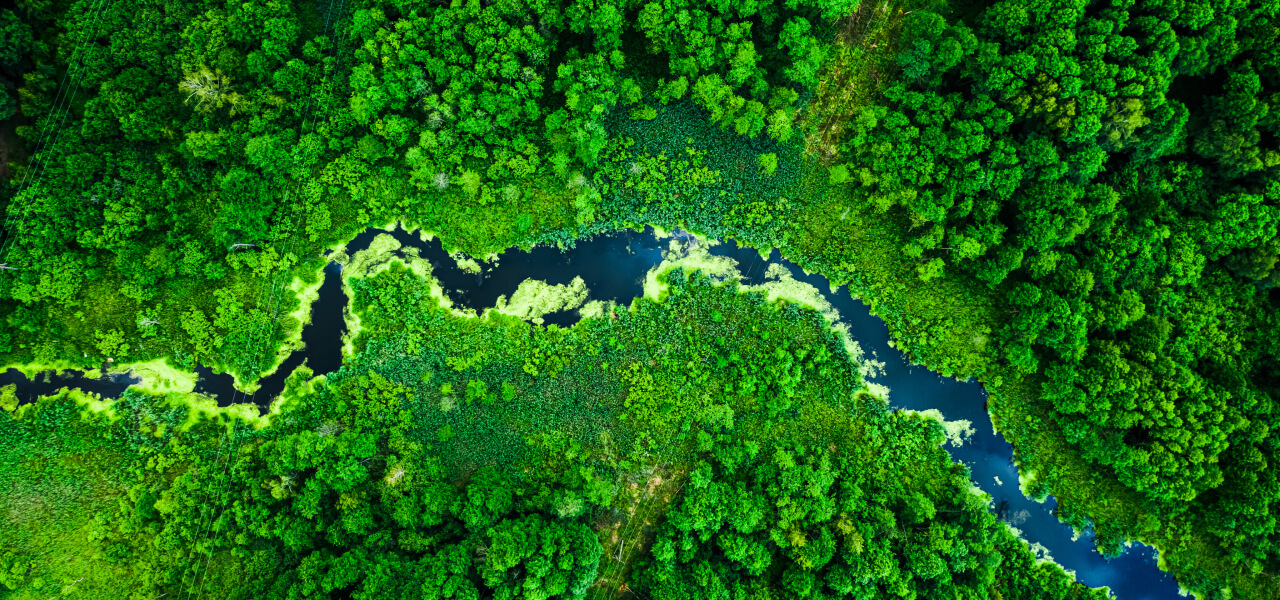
(629, 259)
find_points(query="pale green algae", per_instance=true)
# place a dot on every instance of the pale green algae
(299, 318)
(382, 251)
(534, 299)
(379, 256)
(467, 264)
(200, 408)
(159, 377)
(31, 370)
(307, 293)
(597, 309)
(156, 374)
(298, 384)
(8, 397)
(174, 386)
(779, 285)
(698, 257)
(958, 432)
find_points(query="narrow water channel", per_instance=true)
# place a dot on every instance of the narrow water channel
(47, 383)
(322, 351)
(1132, 576)
(613, 268)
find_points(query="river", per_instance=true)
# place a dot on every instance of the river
(613, 268)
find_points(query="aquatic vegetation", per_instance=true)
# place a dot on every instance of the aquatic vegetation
(535, 299)
(159, 377)
(1073, 203)
(957, 431)
(467, 264)
(437, 445)
(681, 256)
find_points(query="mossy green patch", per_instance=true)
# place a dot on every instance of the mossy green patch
(159, 377)
(534, 299)
(958, 432)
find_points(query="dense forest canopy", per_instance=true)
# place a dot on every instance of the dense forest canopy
(207, 132)
(1075, 202)
(1113, 169)
(465, 473)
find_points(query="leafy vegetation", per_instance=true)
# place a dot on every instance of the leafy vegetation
(1073, 201)
(384, 480)
(1076, 159)
(194, 156)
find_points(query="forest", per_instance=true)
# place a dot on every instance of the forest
(1074, 202)
(475, 458)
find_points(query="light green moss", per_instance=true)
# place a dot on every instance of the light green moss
(958, 432)
(597, 309)
(534, 299)
(158, 377)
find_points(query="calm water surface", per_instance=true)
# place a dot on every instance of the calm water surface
(613, 267)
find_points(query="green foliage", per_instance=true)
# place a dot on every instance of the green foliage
(1074, 202)
(258, 132)
(768, 163)
(817, 513)
(1105, 171)
(351, 489)
(839, 174)
(8, 397)
(15, 40)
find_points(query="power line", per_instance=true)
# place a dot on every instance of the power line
(40, 157)
(201, 577)
(59, 98)
(663, 461)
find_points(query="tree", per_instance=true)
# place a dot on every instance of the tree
(768, 163)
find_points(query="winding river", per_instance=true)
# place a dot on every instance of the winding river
(613, 267)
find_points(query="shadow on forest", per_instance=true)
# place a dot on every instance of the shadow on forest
(613, 267)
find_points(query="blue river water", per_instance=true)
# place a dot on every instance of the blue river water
(1131, 576)
(613, 267)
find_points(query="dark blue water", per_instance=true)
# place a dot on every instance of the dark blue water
(613, 268)
(1131, 576)
(47, 383)
(322, 350)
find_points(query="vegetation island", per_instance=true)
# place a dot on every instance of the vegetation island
(1075, 203)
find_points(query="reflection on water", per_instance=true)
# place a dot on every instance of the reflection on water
(1131, 576)
(613, 267)
(322, 339)
(46, 383)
